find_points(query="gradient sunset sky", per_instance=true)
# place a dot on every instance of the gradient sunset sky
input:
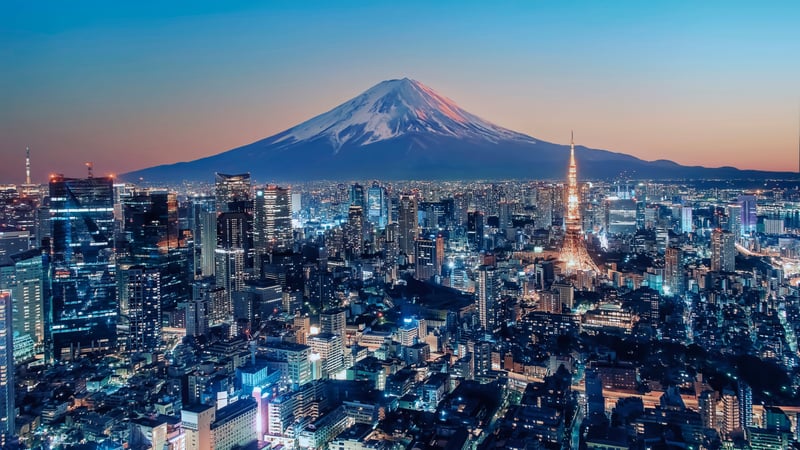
(129, 85)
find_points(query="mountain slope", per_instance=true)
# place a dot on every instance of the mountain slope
(402, 129)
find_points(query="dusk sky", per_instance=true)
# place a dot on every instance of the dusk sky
(127, 87)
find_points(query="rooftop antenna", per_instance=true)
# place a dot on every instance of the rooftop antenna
(27, 165)
(89, 167)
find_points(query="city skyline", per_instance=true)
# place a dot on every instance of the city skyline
(129, 87)
(384, 316)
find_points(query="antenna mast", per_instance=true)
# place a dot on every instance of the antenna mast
(27, 165)
(89, 167)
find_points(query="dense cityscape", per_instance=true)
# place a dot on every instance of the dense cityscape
(607, 314)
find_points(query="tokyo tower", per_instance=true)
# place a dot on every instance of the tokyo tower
(573, 252)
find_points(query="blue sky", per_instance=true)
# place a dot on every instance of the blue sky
(129, 85)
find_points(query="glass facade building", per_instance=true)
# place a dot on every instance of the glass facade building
(82, 311)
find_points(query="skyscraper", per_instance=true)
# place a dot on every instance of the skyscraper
(231, 252)
(152, 231)
(573, 252)
(424, 259)
(748, 213)
(357, 196)
(377, 211)
(723, 251)
(272, 219)
(686, 219)
(203, 223)
(27, 292)
(232, 192)
(475, 229)
(438, 258)
(674, 280)
(734, 219)
(151, 222)
(144, 311)
(197, 310)
(7, 413)
(487, 288)
(230, 271)
(82, 311)
(408, 224)
(354, 232)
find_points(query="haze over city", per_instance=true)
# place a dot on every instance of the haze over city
(132, 86)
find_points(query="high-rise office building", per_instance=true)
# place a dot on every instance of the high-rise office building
(734, 212)
(197, 310)
(272, 219)
(438, 258)
(230, 256)
(233, 229)
(475, 229)
(723, 251)
(749, 219)
(150, 223)
(144, 309)
(232, 192)
(230, 270)
(357, 196)
(152, 238)
(203, 224)
(82, 312)
(674, 279)
(377, 207)
(408, 224)
(424, 259)
(686, 219)
(7, 410)
(354, 232)
(28, 292)
(487, 289)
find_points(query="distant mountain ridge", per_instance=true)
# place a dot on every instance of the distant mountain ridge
(401, 129)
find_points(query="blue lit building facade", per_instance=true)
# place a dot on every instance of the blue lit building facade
(82, 311)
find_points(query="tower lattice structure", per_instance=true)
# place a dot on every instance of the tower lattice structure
(573, 252)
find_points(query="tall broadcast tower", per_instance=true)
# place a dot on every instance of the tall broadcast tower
(27, 165)
(573, 252)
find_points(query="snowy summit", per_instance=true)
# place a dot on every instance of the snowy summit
(394, 108)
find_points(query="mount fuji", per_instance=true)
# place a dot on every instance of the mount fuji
(401, 129)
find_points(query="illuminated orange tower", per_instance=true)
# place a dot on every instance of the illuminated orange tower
(573, 252)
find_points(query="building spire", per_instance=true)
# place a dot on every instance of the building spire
(27, 165)
(571, 148)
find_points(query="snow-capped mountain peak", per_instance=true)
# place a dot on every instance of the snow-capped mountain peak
(391, 109)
